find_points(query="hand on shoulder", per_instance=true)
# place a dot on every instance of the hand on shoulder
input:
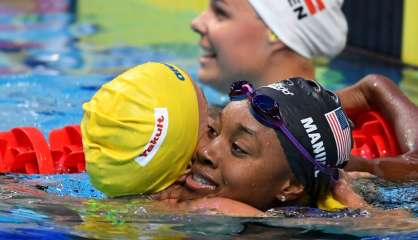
(344, 193)
(221, 205)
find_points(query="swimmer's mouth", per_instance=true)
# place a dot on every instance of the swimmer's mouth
(208, 53)
(198, 181)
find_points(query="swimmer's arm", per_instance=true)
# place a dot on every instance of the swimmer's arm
(379, 93)
(176, 197)
(215, 205)
(400, 168)
(344, 193)
(219, 205)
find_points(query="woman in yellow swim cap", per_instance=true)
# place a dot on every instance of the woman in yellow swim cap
(140, 129)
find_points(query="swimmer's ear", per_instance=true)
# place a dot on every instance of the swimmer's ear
(274, 40)
(290, 191)
(272, 36)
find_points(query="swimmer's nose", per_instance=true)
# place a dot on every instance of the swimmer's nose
(198, 24)
(208, 155)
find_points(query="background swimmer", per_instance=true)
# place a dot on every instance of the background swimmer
(264, 41)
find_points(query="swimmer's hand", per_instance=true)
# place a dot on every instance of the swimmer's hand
(215, 205)
(344, 193)
(174, 191)
(356, 175)
(400, 168)
(179, 198)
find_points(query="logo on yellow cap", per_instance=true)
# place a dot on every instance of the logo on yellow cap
(178, 74)
(157, 137)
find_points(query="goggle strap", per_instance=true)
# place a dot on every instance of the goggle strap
(302, 149)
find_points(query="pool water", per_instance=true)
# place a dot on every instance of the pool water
(52, 60)
(67, 206)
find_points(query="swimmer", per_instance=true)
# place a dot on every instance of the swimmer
(140, 130)
(280, 145)
(233, 166)
(379, 93)
(266, 40)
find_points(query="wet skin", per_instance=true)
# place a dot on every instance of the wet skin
(239, 159)
(203, 110)
(229, 55)
(375, 92)
(230, 30)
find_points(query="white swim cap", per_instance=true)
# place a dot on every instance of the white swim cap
(309, 27)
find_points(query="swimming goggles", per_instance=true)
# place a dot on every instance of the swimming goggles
(267, 111)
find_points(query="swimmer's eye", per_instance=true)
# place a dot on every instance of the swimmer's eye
(212, 133)
(237, 150)
(218, 10)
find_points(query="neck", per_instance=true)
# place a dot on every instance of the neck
(286, 64)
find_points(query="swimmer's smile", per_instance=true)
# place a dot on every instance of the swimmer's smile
(200, 181)
(208, 54)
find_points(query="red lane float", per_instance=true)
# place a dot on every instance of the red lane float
(25, 150)
(67, 149)
(373, 137)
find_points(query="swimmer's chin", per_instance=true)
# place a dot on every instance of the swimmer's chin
(208, 74)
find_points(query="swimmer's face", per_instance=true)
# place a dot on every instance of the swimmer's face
(234, 41)
(239, 159)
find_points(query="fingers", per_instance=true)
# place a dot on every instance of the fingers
(354, 175)
(344, 193)
(172, 192)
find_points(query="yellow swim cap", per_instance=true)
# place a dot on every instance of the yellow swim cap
(329, 203)
(140, 130)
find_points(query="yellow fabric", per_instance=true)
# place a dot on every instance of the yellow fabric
(149, 109)
(329, 203)
(410, 32)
